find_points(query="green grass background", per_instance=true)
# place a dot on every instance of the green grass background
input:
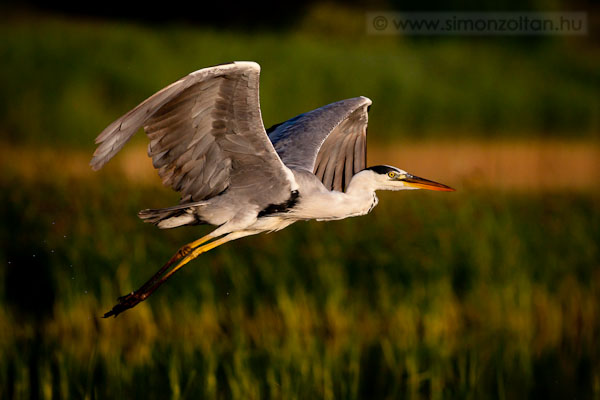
(474, 294)
(74, 76)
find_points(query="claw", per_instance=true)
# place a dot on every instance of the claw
(124, 303)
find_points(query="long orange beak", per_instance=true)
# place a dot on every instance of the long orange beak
(422, 183)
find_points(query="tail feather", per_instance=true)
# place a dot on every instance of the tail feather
(172, 217)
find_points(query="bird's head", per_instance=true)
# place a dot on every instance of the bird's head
(385, 177)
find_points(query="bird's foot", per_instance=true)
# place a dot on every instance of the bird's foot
(125, 302)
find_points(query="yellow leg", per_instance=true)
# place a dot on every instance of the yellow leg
(186, 254)
(200, 241)
(195, 253)
(188, 248)
(181, 253)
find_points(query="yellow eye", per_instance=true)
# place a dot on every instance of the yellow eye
(391, 174)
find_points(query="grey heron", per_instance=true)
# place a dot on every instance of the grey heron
(208, 142)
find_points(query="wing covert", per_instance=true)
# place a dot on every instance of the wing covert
(329, 141)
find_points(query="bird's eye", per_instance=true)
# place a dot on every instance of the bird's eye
(392, 174)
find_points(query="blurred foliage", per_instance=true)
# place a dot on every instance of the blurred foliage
(431, 296)
(63, 80)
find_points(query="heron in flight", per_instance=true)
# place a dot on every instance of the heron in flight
(208, 142)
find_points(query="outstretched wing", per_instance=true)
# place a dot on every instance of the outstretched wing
(206, 135)
(329, 141)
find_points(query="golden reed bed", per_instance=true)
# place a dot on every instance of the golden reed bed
(533, 165)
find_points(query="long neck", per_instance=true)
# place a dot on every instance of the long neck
(322, 204)
(361, 184)
(359, 198)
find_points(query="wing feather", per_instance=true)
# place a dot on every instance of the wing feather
(329, 141)
(206, 135)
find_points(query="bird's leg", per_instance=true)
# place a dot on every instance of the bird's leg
(182, 252)
(185, 254)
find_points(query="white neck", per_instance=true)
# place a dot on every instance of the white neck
(362, 183)
(359, 199)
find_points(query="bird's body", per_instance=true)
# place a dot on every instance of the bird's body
(208, 142)
(305, 203)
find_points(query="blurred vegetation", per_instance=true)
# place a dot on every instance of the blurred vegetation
(64, 81)
(431, 296)
(486, 294)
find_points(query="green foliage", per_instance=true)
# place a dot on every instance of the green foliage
(432, 295)
(64, 81)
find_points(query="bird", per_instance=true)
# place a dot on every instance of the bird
(208, 142)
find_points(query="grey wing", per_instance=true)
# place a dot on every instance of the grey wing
(206, 135)
(329, 141)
